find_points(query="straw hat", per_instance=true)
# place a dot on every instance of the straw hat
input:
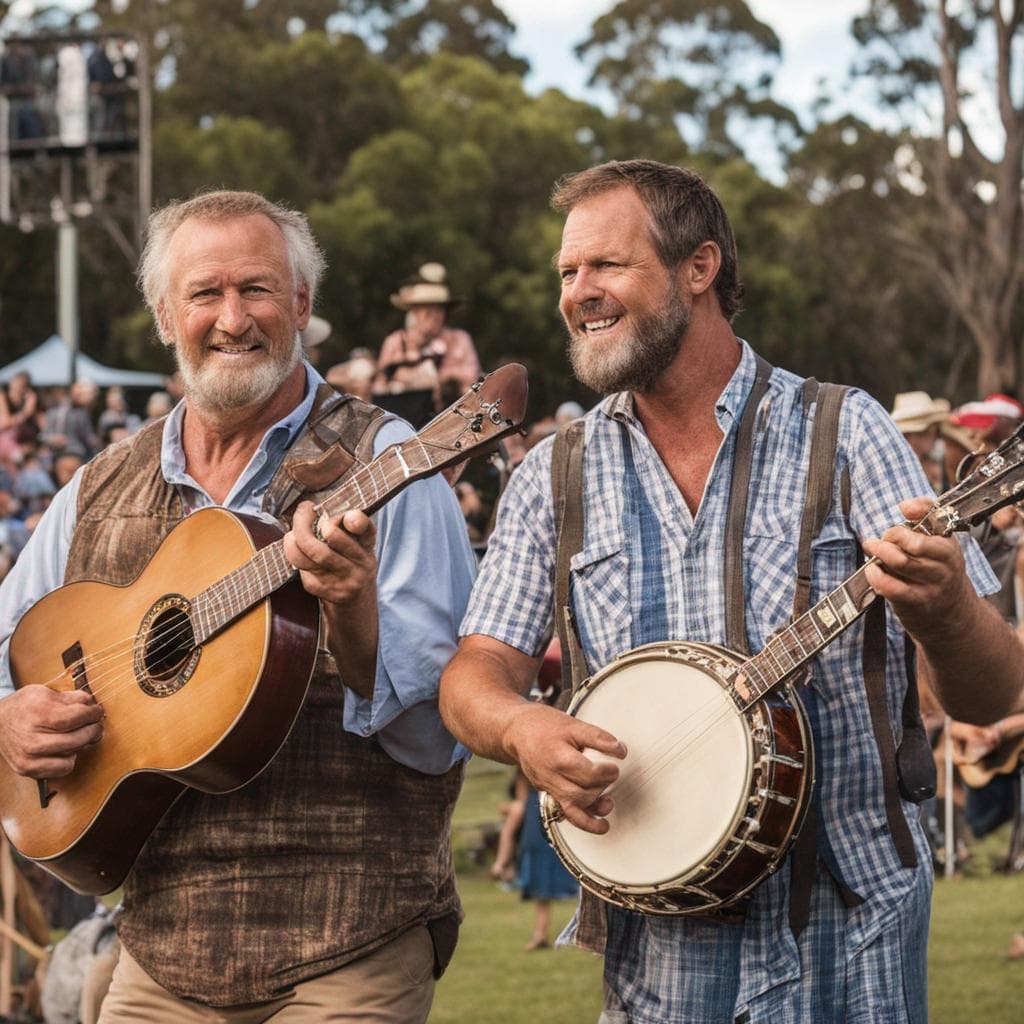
(317, 331)
(914, 411)
(427, 287)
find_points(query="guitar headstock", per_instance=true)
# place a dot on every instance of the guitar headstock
(995, 480)
(492, 408)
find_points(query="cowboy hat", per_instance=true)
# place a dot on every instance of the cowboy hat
(317, 331)
(914, 411)
(427, 287)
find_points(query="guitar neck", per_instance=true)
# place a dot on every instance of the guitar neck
(368, 488)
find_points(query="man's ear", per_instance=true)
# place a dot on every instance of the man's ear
(701, 268)
(303, 307)
(163, 324)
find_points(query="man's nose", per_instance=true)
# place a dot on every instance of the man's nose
(584, 286)
(232, 317)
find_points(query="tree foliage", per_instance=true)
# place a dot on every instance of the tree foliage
(707, 65)
(959, 59)
(403, 128)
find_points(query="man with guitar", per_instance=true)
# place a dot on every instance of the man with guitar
(836, 930)
(322, 889)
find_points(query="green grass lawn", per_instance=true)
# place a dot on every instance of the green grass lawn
(493, 980)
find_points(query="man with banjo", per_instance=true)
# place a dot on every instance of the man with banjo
(323, 888)
(664, 575)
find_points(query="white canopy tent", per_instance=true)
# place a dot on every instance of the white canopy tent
(50, 365)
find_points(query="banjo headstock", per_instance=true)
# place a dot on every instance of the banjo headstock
(993, 482)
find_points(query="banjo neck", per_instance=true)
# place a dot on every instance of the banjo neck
(792, 647)
(997, 481)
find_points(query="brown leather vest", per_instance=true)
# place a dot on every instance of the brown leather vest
(334, 849)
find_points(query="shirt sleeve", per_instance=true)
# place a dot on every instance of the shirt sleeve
(38, 570)
(512, 599)
(884, 471)
(424, 576)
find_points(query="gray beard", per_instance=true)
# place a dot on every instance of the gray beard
(219, 392)
(638, 361)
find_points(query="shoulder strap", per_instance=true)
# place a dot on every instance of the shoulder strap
(338, 437)
(736, 515)
(567, 495)
(820, 479)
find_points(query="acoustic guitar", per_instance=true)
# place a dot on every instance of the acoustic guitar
(202, 663)
(1001, 761)
(720, 763)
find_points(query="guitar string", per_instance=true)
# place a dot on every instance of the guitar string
(232, 582)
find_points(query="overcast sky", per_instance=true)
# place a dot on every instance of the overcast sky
(815, 37)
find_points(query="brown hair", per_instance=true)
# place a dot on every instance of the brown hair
(683, 211)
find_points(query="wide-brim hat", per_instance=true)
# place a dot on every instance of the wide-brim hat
(914, 411)
(968, 439)
(983, 416)
(317, 331)
(427, 287)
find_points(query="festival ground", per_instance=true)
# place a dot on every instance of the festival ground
(494, 981)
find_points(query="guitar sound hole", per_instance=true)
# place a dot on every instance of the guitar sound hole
(166, 654)
(169, 645)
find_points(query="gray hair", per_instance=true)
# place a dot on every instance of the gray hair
(305, 259)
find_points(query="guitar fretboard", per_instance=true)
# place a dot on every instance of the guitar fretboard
(367, 489)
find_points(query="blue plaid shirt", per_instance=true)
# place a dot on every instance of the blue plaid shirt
(649, 570)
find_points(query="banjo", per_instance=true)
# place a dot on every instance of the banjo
(720, 767)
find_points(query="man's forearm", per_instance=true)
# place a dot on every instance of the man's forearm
(975, 667)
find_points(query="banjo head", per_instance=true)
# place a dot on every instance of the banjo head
(685, 782)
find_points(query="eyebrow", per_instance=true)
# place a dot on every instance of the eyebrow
(555, 257)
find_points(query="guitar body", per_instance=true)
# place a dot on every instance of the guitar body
(1001, 761)
(209, 717)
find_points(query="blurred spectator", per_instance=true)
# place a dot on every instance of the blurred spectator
(13, 533)
(116, 414)
(473, 510)
(19, 404)
(65, 465)
(567, 412)
(425, 353)
(68, 426)
(6, 561)
(174, 387)
(995, 418)
(160, 404)
(918, 417)
(354, 377)
(316, 332)
(33, 487)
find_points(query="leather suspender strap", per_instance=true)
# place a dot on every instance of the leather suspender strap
(878, 706)
(820, 480)
(567, 492)
(736, 515)
(817, 501)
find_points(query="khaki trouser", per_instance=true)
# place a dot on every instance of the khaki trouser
(392, 985)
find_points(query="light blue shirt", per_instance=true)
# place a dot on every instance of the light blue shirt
(425, 574)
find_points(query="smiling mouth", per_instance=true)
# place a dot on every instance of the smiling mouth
(236, 350)
(593, 326)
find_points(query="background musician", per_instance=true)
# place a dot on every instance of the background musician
(323, 889)
(649, 288)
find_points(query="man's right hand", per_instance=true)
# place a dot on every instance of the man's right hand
(42, 731)
(549, 746)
